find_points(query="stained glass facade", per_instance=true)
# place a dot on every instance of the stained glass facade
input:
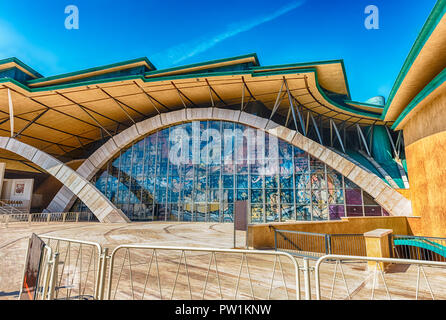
(197, 170)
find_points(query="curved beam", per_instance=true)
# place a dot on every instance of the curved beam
(73, 182)
(391, 200)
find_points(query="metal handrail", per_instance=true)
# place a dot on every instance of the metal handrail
(101, 264)
(207, 250)
(12, 209)
(360, 258)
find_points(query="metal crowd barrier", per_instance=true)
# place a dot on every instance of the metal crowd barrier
(153, 272)
(79, 270)
(73, 269)
(314, 245)
(419, 248)
(58, 217)
(384, 278)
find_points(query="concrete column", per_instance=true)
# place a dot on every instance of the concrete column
(378, 246)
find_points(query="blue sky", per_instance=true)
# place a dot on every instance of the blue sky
(172, 33)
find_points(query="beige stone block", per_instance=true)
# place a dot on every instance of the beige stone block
(345, 167)
(75, 183)
(63, 174)
(386, 198)
(54, 170)
(325, 154)
(116, 216)
(376, 187)
(126, 137)
(3, 142)
(55, 206)
(298, 140)
(315, 149)
(403, 208)
(173, 117)
(99, 157)
(21, 149)
(103, 154)
(63, 200)
(272, 125)
(226, 115)
(285, 134)
(149, 125)
(363, 178)
(98, 205)
(354, 173)
(334, 160)
(95, 201)
(196, 114)
(252, 120)
(65, 194)
(306, 143)
(87, 170)
(45, 161)
(110, 147)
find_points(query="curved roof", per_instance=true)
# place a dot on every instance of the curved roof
(424, 62)
(62, 113)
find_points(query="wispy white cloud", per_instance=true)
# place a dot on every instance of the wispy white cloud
(13, 44)
(189, 49)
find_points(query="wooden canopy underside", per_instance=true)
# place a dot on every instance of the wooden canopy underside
(59, 121)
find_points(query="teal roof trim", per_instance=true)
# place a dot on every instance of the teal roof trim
(194, 65)
(85, 71)
(250, 72)
(20, 63)
(365, 104)
(307, 64)
(429, 26)
(427, 90)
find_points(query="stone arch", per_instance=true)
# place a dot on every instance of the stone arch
(391, 200)
(101, 207)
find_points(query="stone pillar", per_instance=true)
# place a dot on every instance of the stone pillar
(378, 246)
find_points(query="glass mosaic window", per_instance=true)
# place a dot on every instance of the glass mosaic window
(197, 171)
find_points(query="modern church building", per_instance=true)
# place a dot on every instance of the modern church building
(284, 143)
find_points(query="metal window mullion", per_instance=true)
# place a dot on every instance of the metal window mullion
(107, 179)
(337, 135)
(130, 180)
(362, 202)
(181, 192)
(194, 177)
(155, 177)
(207, 190)
(167, 179)
(362, 138)
(248, 163)
(311, 186)
(119, 177)
(391, 141)
(345, 196)
(372, 127)
(264, 179)
(279, 195)
(220, 182)
(294, 184)
(243, 96)
(316, 128)
(345, 134)
(326, 190)
(143, 172)
(235, 166)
